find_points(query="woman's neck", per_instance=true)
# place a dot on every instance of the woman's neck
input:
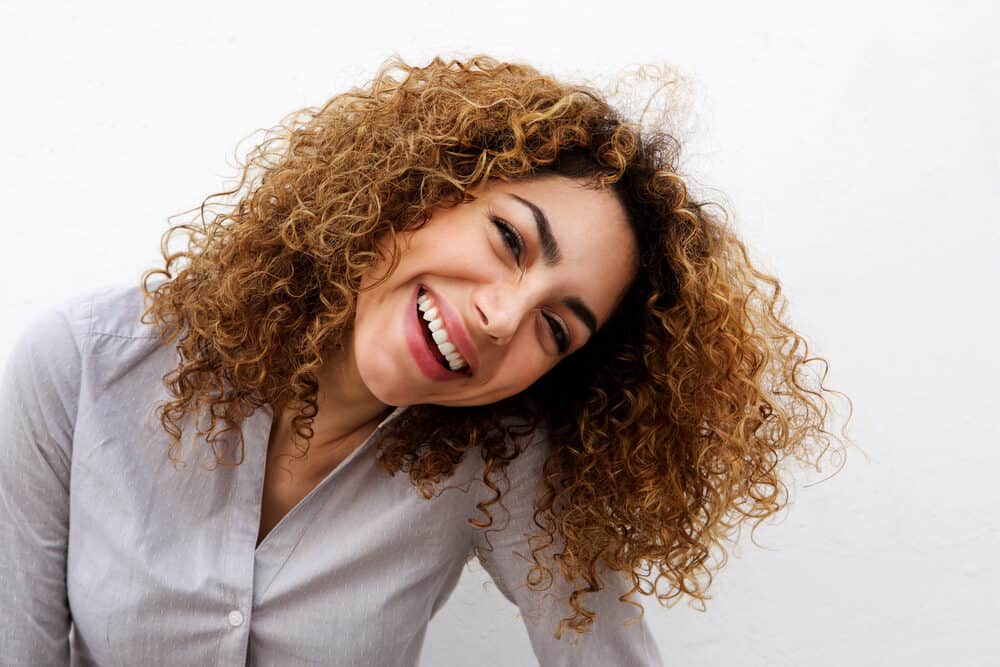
(347, 409)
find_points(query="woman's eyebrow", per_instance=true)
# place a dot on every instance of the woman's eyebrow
(552, 256)
(550, 247)
(583, 313)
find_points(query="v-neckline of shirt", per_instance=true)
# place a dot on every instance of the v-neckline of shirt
(263, 426)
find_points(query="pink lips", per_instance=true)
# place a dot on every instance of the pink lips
(426, 360)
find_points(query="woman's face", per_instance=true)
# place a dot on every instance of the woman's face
(511, 283)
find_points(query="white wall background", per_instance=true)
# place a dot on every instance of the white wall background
(855, 143)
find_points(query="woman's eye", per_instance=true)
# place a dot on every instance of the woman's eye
(558, 332)
(510, 237)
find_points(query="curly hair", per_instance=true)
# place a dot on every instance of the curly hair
(667, 428)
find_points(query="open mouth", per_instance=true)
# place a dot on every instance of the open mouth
(436, 336)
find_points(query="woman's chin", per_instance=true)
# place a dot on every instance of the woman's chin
(390, 393)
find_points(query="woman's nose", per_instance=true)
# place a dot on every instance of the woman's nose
(499, 315)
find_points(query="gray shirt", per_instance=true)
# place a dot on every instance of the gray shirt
(110, 555)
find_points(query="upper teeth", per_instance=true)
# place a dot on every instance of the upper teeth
(439, 333)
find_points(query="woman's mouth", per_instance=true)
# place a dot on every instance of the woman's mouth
(436, 335)
(433, 346)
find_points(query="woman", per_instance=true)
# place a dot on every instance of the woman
(470, 273)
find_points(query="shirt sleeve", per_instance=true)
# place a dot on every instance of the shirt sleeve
(39, 388)
(610, 641)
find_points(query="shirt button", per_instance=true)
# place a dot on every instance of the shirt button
(236, 618)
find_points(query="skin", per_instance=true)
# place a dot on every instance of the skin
(501, 300)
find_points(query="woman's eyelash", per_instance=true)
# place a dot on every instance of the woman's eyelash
(512, 239)
(559, 332)
(510, 236)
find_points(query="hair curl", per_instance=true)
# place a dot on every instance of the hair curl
(667, 427)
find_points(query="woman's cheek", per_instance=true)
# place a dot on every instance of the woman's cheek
(524, 369)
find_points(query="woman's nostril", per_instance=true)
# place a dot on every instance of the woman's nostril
(482, 316)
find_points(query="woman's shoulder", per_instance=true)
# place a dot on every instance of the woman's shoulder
(532, 436)
(116, 310)
(44, 369)
(68, 331)
(111, 310)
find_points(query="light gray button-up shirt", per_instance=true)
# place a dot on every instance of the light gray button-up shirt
(111, 556)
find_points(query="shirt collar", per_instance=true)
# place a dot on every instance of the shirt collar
(395, 413)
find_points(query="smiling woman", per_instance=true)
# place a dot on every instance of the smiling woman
(466, 272)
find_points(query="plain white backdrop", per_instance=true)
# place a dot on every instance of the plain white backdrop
(855, 144)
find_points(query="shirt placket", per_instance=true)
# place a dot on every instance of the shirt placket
(237, 549)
